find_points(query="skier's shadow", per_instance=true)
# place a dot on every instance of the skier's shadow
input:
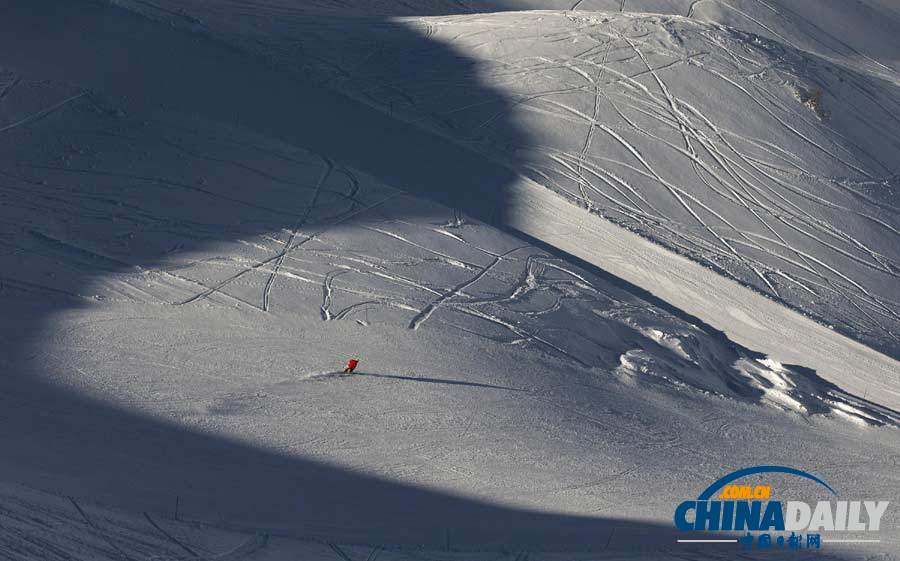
(426, 380)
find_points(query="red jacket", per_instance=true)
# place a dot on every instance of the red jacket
(351, 364)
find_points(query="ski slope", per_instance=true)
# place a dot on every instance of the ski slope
(863, 36)
(193, 242)
(766, 151)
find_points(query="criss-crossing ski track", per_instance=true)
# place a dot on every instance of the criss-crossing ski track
(772, 204)
(792, 248)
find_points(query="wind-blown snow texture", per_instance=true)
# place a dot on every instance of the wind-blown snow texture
(190, 247)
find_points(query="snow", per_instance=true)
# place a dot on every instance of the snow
(194, 241)
(765, 157)
(634, 118)
(761, 323)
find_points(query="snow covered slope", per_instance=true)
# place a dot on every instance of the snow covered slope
(773, 161)
(861, 34)
(88, 532)
(104, 207)
(160, 370)
(189, 252)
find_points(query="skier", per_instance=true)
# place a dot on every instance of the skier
(351, 365)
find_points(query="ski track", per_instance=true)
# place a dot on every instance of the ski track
(426, 312)
(300, 222)
(42, 113)
(104, 535)
(760, 191)
(170, 537)
(288, 249)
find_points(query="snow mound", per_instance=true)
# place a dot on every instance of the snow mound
(690, 359)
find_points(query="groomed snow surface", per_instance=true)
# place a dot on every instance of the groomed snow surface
(194, 239)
